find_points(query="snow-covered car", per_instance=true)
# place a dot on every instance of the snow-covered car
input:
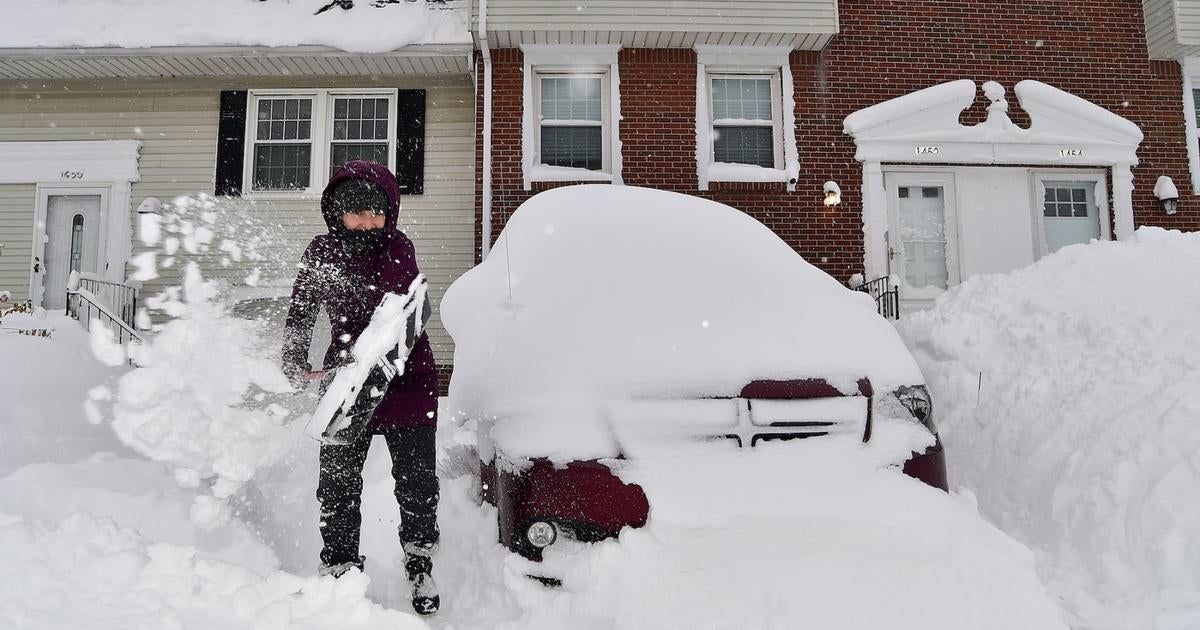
(613, 323)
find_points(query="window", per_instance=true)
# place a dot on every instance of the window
(297, 140)
(745, 117)
(745, 120)
(571, 132)
(569, 129)
(1071, 210)
(283, 144)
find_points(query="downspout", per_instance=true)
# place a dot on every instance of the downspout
(486, 201)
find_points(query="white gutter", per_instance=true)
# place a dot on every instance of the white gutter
(486, 200)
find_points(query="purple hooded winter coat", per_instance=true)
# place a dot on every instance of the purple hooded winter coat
(350, 288)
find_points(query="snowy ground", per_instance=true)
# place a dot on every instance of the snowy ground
(95, 535)
(102, 531)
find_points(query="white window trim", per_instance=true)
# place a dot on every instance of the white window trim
(1191, 80)
(746, 61)
(556, 59)
(321, 136)
(1099, 181)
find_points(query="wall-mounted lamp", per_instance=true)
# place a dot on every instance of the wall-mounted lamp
(1167, 193)
(833, 194)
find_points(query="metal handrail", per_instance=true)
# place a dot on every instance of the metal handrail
(887, 297)
(119, 298)
(84, 306)
(113, 304)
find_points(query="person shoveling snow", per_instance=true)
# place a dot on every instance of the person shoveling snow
(348, 271)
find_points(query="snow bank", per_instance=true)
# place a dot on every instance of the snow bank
(1067, 395)
(38, 370)
(594, 292)
(89, 572)
(146, 23)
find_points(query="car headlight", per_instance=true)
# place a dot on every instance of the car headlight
(917, 401)
(541, 534)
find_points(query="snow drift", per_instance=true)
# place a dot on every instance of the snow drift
(1068, 394)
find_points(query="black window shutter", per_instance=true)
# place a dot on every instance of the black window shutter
(231, 142)
(410, 141)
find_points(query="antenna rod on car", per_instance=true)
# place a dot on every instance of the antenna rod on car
(508, 266)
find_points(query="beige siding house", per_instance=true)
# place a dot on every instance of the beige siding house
(108, 129)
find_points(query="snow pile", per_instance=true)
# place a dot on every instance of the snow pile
(595, 292)
(29, 435)
(90, 572)
(1067, 394)
(146, 23)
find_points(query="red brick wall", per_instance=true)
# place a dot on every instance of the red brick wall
(1095, 50)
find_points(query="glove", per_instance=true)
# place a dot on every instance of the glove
(295, 375)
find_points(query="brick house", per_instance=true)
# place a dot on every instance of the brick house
(965, 136)
(758, 104)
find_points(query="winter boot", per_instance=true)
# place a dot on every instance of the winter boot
(425, 599)
(339, 569)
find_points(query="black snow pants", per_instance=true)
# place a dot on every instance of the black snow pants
(340, 492)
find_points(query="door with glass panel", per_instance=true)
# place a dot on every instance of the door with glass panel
(1070, 208)
(922, 235)
(72, 243)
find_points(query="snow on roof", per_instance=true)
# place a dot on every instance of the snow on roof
(162, 23)
(599, 291)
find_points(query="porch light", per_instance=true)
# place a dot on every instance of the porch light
(833, 194)
(1167, 193)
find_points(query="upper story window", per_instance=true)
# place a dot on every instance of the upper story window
(296, 140)
(572, 126)
(746, 120)
(744, 116)
(571, 110)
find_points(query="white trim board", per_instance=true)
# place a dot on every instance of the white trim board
(69, 161)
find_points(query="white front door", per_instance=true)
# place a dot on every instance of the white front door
(1071, 208)
(72, 243)
(922, 235)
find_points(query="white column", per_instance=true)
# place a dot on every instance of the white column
(119, 246)
(1123, 200)
(875, 223)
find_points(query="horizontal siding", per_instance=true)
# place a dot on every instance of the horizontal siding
(1187, 16)
(16, 233)
(737, 16)
(177, 122)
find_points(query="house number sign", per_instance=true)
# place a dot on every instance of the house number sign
(926, 150)
(1070, 152)
(71, 175)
